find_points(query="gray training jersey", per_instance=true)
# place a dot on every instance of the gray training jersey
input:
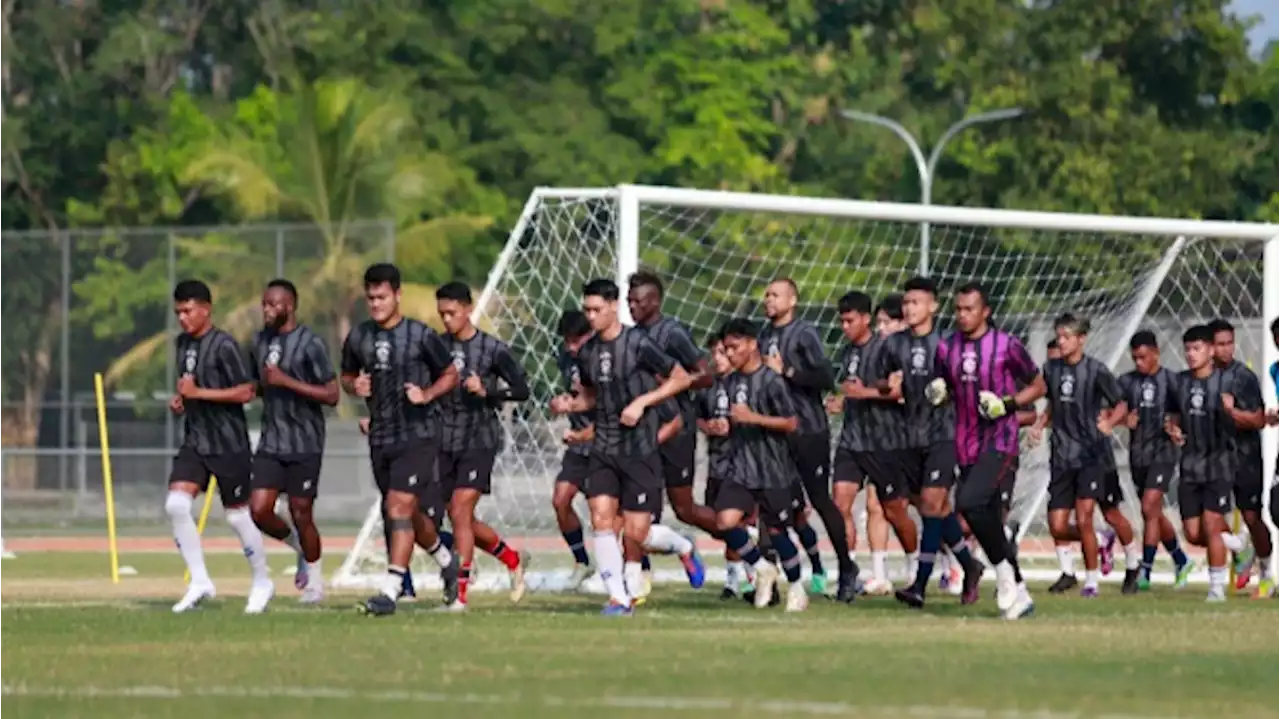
(291, 423)
(1147, 397)
(215, 361)
(870, 425)
(470, 422)
(1209, 451)
(807, 371)
(1244, 385)
(713, 403)
(759, 458)
(913, 356)
(673, 338)
(408, 352)
(1077, 395)
(571, 378)
(620, 370)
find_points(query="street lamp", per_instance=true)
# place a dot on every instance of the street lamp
(926, 167)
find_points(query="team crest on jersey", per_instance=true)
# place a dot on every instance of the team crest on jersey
(771, 349)
(382, 354)
(459, 359)
(273, 354)
(740, 394)
(1197, 400)
(1148, 394)
(854, 361)
(575, 375)
(722, 403)
(606, 366)
(189, 361)
(1067, 386)
(969, 366)
(918, 359)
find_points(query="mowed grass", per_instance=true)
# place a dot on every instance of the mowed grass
(76, 646)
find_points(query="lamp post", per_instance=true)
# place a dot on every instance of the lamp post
(926, 167)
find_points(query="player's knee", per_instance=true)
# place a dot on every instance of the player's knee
(300, 510)
(400, 505)
(1058, 526)
(177, 504)
(262, 512)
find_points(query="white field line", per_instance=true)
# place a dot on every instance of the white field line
(662, 703)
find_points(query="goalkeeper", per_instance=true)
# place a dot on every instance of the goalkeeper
(979, 368)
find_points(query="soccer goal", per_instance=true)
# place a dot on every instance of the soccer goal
(716, 251)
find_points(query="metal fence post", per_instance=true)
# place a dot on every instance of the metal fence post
(64, 393)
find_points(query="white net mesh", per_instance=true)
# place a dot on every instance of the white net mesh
(716, 263)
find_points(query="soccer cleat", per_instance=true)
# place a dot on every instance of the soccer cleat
(1266, 588)
(518, 586)
(1022, 607)
(1130, 585)
(1244, 567)
(454, 607)
(1216, 594)
(818, 583)
(260, 593)
(449, 576)
(301, 576)
(407, 591)
(379, 605)
(312, 594)
(1089, 592)
(1107, 551)
(847, 588)
(1144, 583)
(196, 593)
(766, 581)
(952, 582)
(910, 597)
(797, 598)
(1006, 587)
(579, 576)
(613, 609)
(1182, 574)
(694, 568)
(1065, 583)
(878, 588)
(970, 591)
(727, 593)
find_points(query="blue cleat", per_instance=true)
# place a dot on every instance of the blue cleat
(613, 609)
(694, 567)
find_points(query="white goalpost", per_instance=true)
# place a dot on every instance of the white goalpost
(716, 251)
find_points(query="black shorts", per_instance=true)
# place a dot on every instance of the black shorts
(987, 482)
(887, 470)
(410, 467)
(472, 469)
(775, 505)
(812, 454)
(932, 466)
(1196, 498)
(678, 459)
(1248, 485)
(234, 471)
(1099, 483)
(636, 482)
(1275, 504)
(711, 491)
(849, 468)
(574, 469)
(297, 475)
(1157, 477)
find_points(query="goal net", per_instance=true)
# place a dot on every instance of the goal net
(716, 251)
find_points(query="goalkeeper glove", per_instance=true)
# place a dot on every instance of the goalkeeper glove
(993, 406)
(936, 391)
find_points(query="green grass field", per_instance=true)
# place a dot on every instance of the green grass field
(76, 646)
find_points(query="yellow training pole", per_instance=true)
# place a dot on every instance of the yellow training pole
(204, 515)
(101, 396)
(1231, 569)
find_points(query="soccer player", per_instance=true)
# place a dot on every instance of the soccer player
(761, 471)
(296, 380)
(1267, 586)
(792, 348)
(472, 435)
(1153, 457)
(713, 422)
(1249, 416)
(212, 390)
(888, 316)
(1085, 405)
(1199, 422)
(401, 367)
(981, 369)
(618, 366)
(574, 330)
(929, 462)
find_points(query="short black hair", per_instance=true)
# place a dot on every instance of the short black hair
(456, 291)
(1143, 338)
(285, 285)
(891, 305)
(1053, 344)
(789, 283)
(382, 273)
(602, 288)
(573, 324)
(1072, 323)
(1198, 333)
(1221, 325)
(920, 283)
(644, 278)
(739, 327)
(969, 288)
(855, 301)
(192, 291)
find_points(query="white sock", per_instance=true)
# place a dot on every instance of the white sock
(315, 575)
(1132, 555)
(392, 583)
(1264, 567)
(1102, 539)
(633, 578)
(1008, 532)
(1234, 543)
(944, 562)
(292, 541)
(1092, 577)
(441, 554)
(1217, 578)
(913, 564)
(878, 560)
(732, 572)
(609, 558)
(1066, 559)
(178, 506)
(665, 540)
(250, 540)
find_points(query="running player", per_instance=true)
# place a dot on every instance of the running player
(472, 435)
(617, 367)
(1199, 422)
(1085, 405)
(793, 349)
(929, 463)
(574, 330)
(296, 380)
(401, 367)
(981, 369)
(713, 422)
(1249, 416)
(212, 390)
(761, 469)
(888, 321)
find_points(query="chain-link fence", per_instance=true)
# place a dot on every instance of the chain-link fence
(77, 302)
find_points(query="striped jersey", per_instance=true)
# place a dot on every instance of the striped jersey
(1147, 397)
(994, 362)
(620, 370)
(409, 352)
(805, 369)
(470, 422)
(713, 403)
(1209, 447)
(870, 425)
(215, 361)
(760, 458)
(1078, 393)
(912, 355)
(571, 379)
(291, 424)
(673, 338)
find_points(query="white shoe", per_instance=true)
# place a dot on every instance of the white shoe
(456, 607)
(878, 588)
(1022, 606)
(313, 593)
(518, 586)
(646, 586)
(766, 579)
(1006, 587)
(581, 573)
(259, 594)
(797, 598)
(1216, 594)
(955, 582)
(196, 593)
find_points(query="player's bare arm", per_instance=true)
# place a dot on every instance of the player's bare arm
(327, 393)
(742, 414)
(507, 369)
(670, 429)
(357, 384)
(239, 394)
(1109, 419)
(677, 381)
(1243, 418)
(443, 385)
(583, 401)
